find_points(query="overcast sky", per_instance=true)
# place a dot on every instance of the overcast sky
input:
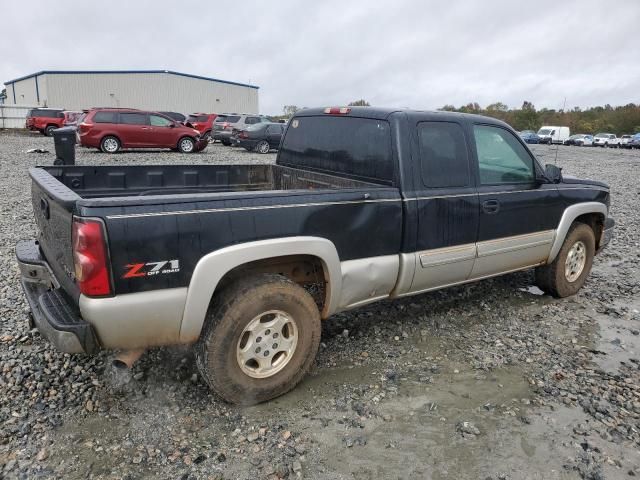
(410, 53)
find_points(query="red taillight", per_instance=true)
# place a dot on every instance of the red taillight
(337, 110)
(243, 135)
(90, 257)
(84, 127)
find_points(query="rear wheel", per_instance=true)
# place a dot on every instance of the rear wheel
(110, 144)
(207, 136)
(568, 272)
(226, 143)
(260, 338)
(186, 145)
(263, 147)
(49, 130)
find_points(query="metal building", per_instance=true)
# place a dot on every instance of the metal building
(162, 90)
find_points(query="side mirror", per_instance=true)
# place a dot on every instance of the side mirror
(172, 125)
(553, 173)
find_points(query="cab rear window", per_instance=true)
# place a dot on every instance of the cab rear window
(359, 147)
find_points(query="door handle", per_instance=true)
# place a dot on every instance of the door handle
(491, 206)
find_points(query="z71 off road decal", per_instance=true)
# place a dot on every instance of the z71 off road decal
(149, 269)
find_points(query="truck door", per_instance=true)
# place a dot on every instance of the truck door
(446, 204)
(517, 215)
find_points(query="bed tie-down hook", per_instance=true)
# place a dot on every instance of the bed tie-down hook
(367, 196)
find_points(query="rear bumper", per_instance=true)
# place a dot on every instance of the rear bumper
(55, 316)
(222, 135)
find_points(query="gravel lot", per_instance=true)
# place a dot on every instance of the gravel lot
(485, 381)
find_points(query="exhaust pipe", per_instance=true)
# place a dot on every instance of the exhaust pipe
(126, 359)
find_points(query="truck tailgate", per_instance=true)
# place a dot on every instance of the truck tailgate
(53, 206)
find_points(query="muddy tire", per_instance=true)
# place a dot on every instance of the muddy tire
(568, 272)
(260, 338)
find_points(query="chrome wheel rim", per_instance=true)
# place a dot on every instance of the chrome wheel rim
(110, 145)
(263, 147)
(186, 145)
(575, 262)
(267, 344)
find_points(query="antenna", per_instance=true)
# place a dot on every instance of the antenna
(555, 160)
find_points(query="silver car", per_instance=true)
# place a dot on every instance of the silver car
(225, 124)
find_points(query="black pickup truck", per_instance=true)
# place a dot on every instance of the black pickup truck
(243, 261)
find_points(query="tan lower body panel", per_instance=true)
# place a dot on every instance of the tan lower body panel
(506, 254)
(136, 320)
(367, 279)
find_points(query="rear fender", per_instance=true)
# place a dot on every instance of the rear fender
(214, 266)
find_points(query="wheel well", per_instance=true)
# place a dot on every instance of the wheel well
(111, 135)
(306, 270)
(596, 222)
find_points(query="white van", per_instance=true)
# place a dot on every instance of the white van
(553, 134)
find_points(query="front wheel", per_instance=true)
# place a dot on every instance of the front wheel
(186, 145)
(263, 147)
(260, 338)
(568, 272)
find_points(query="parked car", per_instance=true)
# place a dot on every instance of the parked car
(580, 140)
(178, 117)
(203, 122)
(261, 137)
(552, 135)
(635, 141)
(111, 129)
(243, 261)
(606, 140)
(625, 141)
(529, 136)
(44, 120)
(222, 130)
(71, 119)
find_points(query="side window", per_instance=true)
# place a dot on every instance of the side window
(133, 118)
(105, 117)
(501, 157)
(157, 121)
(443, 155)
(252, 120)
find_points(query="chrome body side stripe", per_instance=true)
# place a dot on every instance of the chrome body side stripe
(240, 209)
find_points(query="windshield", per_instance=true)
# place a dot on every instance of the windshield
(575, 137)
(527, 132)
(544, 131)
(602, 135)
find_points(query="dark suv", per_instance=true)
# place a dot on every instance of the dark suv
(45, 120)
(224, 126)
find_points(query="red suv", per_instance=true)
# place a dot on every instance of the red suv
(45, 120)
(203, 122)
(111, 129)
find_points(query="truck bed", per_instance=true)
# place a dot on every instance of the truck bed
(142, 180)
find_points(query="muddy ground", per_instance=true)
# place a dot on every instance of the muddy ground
(486, 381)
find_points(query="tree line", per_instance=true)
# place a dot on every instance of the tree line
(618, 120)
